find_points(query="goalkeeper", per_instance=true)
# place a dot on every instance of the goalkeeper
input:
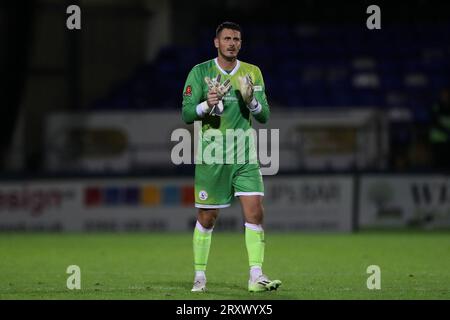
(225, 93)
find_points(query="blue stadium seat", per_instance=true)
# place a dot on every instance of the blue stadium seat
(308, 66)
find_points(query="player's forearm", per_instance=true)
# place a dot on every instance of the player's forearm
(261, 112)
(192, 113)
(189, 114)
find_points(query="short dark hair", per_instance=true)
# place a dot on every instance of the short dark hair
(228, 25)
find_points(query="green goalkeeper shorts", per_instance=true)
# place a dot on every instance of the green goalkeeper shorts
(215, 184)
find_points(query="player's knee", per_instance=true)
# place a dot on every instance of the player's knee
(207, 217)
(255, 214)
(208, 222)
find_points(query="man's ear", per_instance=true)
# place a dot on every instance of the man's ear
(216, 42)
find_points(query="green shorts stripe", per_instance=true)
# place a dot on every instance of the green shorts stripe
(212, 206)
(238, 194)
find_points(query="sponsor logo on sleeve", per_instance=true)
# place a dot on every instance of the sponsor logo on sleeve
(188, 91)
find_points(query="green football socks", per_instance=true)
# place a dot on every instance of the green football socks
(202, 243)
(254, 240)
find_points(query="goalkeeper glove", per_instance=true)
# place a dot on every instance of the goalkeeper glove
(221, 90)
(247, 88)
(215, 86)
(217, 110)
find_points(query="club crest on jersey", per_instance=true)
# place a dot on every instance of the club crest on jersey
(188, 91)
(203, 195)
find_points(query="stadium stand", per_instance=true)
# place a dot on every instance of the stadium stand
(309, 66)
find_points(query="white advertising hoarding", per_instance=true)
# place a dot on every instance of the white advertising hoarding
(319, 203)
(101, 204)
(404, 200)
(291, 203)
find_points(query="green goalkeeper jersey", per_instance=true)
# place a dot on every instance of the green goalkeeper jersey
(236, 114)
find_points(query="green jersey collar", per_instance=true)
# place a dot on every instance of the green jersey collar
(235, 69)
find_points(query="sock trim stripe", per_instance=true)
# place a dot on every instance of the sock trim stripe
(202, 228)
(254, 227)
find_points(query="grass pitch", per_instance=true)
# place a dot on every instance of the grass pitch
(414, 265)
